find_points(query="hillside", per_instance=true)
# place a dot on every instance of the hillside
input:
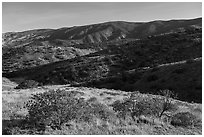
(114, 61)
(38, 47)
(184, 79)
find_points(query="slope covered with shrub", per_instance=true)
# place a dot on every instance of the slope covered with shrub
(42, 46)
(185, 79)
(110, 67)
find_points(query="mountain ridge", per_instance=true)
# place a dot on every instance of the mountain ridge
(159, 20)
(38, 47)
(114, 25)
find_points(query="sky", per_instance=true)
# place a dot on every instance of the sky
(20, 16)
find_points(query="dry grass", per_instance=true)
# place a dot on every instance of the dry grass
(13, 106)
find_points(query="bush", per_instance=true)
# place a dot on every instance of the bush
(151, 107)
(146, 106)
(184, 119)
(122, 108)
(48, 108)
(54, 108)
(134, 108)
(28, 84)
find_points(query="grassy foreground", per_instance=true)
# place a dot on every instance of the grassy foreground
(94, 115)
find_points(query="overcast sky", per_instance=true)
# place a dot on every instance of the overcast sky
(24, 16)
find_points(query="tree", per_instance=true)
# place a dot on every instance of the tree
(167, 104)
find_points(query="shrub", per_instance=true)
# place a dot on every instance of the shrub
(184, 119)
(134, 108)
(28, 84)
(146, 106)
(54, 108)
(49, 108)
(122, 108)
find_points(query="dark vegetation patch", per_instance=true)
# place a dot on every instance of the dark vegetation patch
(185, 119)
(28, 84)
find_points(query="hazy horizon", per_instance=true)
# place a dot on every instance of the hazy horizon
(22, 16)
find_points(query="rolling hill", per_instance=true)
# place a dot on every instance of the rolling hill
(43, 46)
(112, 63)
